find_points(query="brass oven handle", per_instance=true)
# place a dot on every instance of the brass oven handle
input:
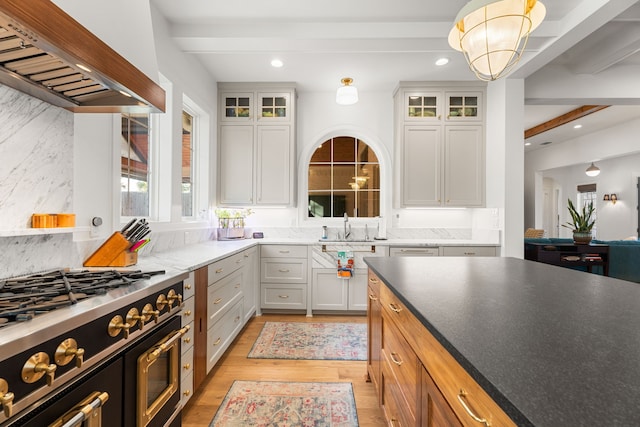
(168, 343)
(6, 398)
(394, 308)
(461, 398)
(83, 412)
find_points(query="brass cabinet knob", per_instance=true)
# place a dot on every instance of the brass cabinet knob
(186, 392)
(66, 351)
(6, 398)
(187, 366)
(38, 366)
(118, 324)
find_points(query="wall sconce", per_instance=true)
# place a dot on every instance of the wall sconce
(613, 198)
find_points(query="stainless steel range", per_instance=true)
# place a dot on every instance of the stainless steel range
(80, 346)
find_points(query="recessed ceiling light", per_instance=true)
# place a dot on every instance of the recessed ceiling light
(442, 61)
(577, 126)
(526, 144)
(276, 63)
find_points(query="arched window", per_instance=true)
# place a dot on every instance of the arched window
(344, 177)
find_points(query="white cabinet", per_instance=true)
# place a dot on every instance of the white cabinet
(250, 283)
(440, 157)
(333, 293)
(283, 277)
(256, 139)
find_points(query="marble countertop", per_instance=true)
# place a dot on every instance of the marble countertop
(552, 346)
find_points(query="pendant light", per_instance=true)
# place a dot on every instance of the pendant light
(492, 34)
(347, 94)
(592, 170)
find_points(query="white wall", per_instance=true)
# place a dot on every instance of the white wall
(615, 149)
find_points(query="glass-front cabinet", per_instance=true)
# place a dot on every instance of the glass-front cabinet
(464, 106)
(237, 106)
(423, 106)
(274, 106)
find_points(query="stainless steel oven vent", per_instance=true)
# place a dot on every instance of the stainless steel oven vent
(47, 54)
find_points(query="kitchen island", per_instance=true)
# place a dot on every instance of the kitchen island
(550, 346)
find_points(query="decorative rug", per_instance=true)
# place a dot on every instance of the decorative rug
(287, 404)
(311, 341)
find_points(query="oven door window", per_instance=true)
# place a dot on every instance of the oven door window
(158, 376)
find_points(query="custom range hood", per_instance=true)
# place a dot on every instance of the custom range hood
(47, 54)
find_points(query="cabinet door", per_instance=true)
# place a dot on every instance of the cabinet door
(236, 164)
(274, 107)
(421, 166)
(250, 282)
(435, 411)
(329, 292)
(358, 297)
(236, 107)
(464, 106)
(464, 166)
(423, 106)
(374, 329)
(273, 165)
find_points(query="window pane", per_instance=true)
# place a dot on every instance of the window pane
(368, 203)
(320, 177)
(134, 177)
(322, 153)
(344, 149)
(187, 164)
(320, 204)
(366, 154)
(343, 176)
(344, 201)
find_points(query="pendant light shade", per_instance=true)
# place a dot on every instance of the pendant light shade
(492, 34)
(592, 170)
(347, 94)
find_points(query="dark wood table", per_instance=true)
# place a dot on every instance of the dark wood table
(569, 255)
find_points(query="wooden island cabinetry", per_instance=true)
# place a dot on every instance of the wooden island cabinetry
(419, 383)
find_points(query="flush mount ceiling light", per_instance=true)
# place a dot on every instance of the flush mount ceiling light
(347, 94)
(592, 170)
(492, 34)
(442, 61)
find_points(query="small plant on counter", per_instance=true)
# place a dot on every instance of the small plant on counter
(581, 222)
(232, 218)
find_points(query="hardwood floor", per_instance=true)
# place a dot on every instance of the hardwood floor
(234, 365)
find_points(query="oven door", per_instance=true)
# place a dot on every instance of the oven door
(93, 400)
(155, 366)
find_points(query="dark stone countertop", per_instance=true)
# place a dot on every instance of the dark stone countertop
(552, 346)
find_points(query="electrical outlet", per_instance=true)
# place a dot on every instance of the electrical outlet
(95, 229)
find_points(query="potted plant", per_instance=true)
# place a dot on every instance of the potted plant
(231, 223)
(581, 222)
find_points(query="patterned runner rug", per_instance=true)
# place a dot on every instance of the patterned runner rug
(267, 404)
(311, 341)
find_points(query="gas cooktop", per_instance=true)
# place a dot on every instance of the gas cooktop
(23, 298)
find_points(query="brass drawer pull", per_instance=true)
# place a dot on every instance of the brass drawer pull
(461, 398)
(284, 252)
(284, 270)
(219, 270)
(218, 301)
(373, 298)
(283, 296)
(373, 280)
(395, 360)
(394, 308)
(470, 253)
(217, 341)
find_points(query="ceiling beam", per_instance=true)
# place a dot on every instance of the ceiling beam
(572, 115)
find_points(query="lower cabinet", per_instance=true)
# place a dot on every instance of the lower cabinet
(186, 347)
(435, 411)
(330, 292)
(283, 277)
(468, 251)
(419, 382)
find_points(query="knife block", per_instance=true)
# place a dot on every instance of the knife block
(113, 253)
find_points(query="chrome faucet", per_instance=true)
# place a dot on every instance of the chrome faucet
(346, 220)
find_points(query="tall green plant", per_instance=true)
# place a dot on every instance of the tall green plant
(581, 222)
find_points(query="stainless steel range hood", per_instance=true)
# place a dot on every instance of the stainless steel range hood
(47, 54)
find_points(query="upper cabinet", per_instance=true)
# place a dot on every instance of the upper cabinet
(439, 143)
(256, 141)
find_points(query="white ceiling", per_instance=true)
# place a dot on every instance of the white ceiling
(379, 43)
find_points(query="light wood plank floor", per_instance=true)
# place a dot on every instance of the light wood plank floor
(236, 366)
